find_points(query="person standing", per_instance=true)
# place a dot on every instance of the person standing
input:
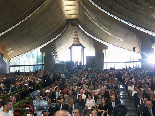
(7, 106)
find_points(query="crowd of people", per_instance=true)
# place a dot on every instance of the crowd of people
(83, 92)
(141, 89)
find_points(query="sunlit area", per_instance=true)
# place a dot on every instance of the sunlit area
(151, 59)
(114, 57)
(64, 56)
(119, 58)
(77, 53)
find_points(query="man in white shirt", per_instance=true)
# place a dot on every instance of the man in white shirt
(82, 94)
(7, 106)
(57, 92)
(131, 87)
(13, 99)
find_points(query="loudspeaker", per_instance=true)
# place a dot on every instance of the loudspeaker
(1, 56)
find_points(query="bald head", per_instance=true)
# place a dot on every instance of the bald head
(62, 113)
(94, 113)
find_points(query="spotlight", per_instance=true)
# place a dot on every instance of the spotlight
(151, 59)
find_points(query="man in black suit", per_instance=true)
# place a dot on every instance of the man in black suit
(142, 107)
(43, 93)
(72, 106)
(150, 110)
(120, 110)
(52, 95)
(112, 104)
(138, 99)
(62, 105)
(147, 95)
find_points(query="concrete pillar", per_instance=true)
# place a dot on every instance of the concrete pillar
(99, 55)
(49, 61)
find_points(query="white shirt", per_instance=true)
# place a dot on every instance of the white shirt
(113, 104)
(90, 103)
(131, 88)
(83, 96)
(6, 114)
(57, 94)
(134, 92)
(1, 108)
(97, 91)
(10, 110)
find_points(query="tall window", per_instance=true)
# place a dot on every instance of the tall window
(118, 58)
(27, 62)
(76, 53)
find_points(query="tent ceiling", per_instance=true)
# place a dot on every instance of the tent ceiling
(51, 18)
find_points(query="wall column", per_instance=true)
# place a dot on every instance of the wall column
(99, 55)
(49, 61)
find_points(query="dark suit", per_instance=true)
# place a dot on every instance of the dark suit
(141, 108)
(76, 106)
(110, 107)
(81, 103)
(43, 94)
(146, 112)
(137, 100)
(62, 107)
(52, 97)
(147, 95)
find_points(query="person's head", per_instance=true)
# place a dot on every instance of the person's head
(103, 101)
(149, 90)
(113, 98)
(61, 94)
(74, 84)
(70, 92)
(145, 100)
(44, 90)
(93, 92)
(141, 95)
(62, 113)
(81, 91)
(76, 112)
(66, 96)
(94, 113)
(57, 89)
(120, 110)
(149, 104)
(102, 91)
(51, 90)
(89, 96)
(13, 99)
(71, 101)
(99, 96)
(7, 104)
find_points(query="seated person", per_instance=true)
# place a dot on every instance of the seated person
(120, 110)
(90, 102)
(102, 108)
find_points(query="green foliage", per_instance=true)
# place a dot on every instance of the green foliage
(21, 102)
